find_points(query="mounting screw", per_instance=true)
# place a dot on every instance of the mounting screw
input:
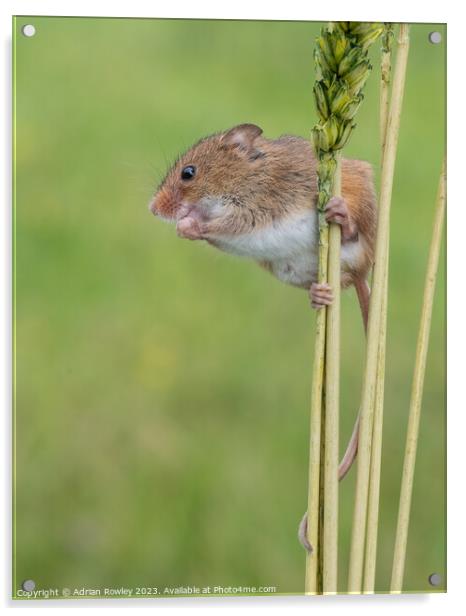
(28, 30)
(28, 585)
(435, 37)
(435, 579)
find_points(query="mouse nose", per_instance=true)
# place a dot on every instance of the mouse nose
(163, 204)
(153, 207)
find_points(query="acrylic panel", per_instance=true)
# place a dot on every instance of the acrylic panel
(162, 386)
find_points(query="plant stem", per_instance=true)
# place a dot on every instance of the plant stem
(401, 539)
(332, 397)
(385, 70)
(376, 453)
(341, 45)
(376, 448)
(375, 318)
(316, 443)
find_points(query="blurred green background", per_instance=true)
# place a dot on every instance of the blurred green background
(162, 387)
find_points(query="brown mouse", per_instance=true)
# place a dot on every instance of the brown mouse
(256, 197)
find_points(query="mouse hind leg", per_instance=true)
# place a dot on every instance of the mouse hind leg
(337, 211)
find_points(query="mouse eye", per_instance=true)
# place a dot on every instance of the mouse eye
(188, 172)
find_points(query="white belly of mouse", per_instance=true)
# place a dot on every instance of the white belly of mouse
(290, 246)
(283, 239)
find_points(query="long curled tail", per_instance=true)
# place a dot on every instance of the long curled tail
(363, 292)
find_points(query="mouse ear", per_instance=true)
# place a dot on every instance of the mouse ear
(242, 136)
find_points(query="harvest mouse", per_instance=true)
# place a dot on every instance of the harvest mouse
(256, 197)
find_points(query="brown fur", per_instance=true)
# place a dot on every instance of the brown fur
(262, 180)
(358, 191)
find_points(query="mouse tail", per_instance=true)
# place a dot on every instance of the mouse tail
(350, 453)
(363, 292)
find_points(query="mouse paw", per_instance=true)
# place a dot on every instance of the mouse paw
(320, 294)
(336, 211)
(302, 534)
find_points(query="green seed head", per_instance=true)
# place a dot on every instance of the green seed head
(342, 68)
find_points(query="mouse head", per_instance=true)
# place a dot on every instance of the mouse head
(208, 189)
